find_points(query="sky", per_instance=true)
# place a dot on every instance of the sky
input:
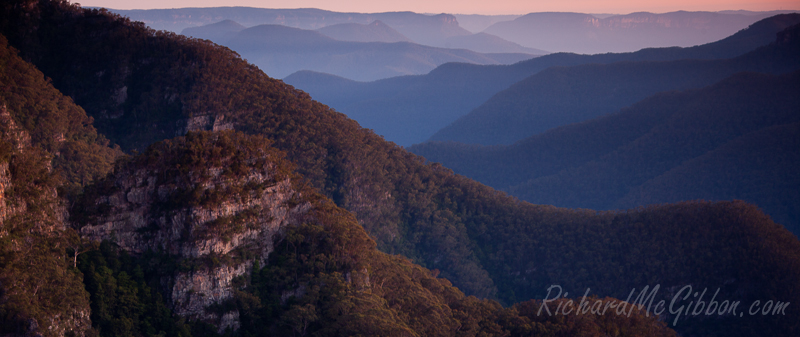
(467, 6)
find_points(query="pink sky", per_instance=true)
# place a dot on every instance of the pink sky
(467, 6)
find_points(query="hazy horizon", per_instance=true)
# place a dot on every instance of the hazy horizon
(502, 7)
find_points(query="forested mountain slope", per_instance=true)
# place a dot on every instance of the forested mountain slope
(193, 220)
(485, 242)
(240, 244)
(48, 148)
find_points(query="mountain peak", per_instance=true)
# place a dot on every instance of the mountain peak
(376, 31)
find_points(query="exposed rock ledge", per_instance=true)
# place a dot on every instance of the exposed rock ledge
(139, 213)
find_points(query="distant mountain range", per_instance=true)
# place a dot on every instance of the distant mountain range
(281, 50)
(440, 30)
(503, 42)
(418, 27)
(411, 109)
(554, 32)
(376, 31)
(477, 23)
(730, 140)
(564, 95)
(588, 34)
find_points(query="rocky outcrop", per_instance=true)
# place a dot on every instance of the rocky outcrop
(214, 222)
(138, 220)
(12, 139)
(11, 132)
(205, 122)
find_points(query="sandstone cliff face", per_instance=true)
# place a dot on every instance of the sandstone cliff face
(5, 182)
(18, 141)
(203, 122)
(215, 241)
(11, 132)
(32, 225)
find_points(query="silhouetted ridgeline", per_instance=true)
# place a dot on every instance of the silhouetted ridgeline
(375, 31)
(410, 109)
(281, 51)
(425, 29)
(143, 86)
(562, 32)
(727, 141)
(563, 95)
(441, 30)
